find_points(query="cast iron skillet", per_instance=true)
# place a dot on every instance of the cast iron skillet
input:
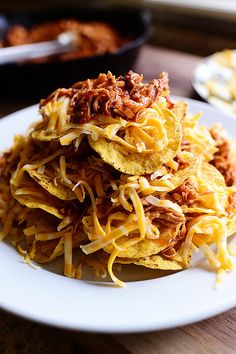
(37, 80)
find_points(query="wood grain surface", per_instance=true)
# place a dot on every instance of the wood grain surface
(213, 336)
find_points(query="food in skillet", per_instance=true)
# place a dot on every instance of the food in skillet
(116, 173)
(91, 38)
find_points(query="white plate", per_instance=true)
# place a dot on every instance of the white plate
(157, 303)
(209, 71)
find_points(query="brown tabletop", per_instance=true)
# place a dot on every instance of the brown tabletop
(216, 335)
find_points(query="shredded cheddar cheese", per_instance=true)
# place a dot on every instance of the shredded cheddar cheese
(109, 190)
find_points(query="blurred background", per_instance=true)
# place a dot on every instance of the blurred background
(149, 36)
(194, 26)
(197, 28)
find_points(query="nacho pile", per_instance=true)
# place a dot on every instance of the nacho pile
(116, 173)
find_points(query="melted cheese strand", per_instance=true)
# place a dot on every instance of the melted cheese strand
(98, 227)
(110, 263)
(112, 236)
(68, 254)
(63, 170)
(138, 207)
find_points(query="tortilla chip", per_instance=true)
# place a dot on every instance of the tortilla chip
(154, 262)
(180, 109)
(42, 222)
(60, 191)
(47, 251)
(139, 163)
(231, 226)
(215, 179)
(32, 203)
(144, 248)
(213, 176)
(45, 135)
(50, 204)
(55, 109)
(181, 175)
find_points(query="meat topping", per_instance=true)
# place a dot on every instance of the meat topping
(123, 96)
(223, 158)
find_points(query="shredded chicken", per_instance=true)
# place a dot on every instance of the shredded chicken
(223, 158)
(185, 194)
(185, 145)
(170, 251)
(165, 216)
(231, 204)
(181, 162)
(123, 96)
(2, 163)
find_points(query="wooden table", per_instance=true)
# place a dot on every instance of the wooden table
(214, 336)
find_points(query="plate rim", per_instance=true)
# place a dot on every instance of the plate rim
(217, 309)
